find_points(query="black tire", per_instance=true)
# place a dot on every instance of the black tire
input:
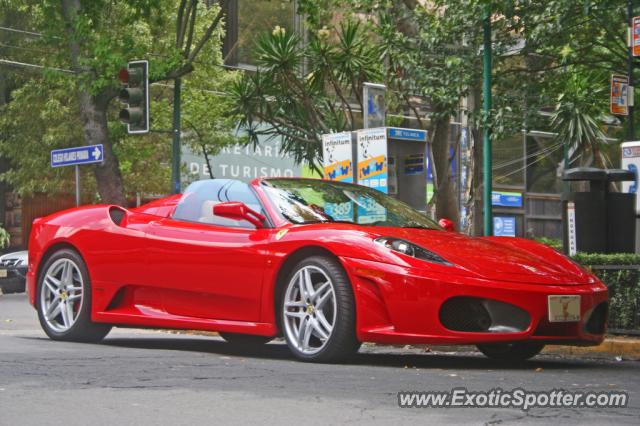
(245, 340)
(517, 351)
(342, 342)
(14, 286)
(83, 329)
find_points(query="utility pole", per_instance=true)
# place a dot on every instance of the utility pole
(175, 147)
(175, 163)
(630, 95)
(486, 145)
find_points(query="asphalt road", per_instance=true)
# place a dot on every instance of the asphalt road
(150, 377)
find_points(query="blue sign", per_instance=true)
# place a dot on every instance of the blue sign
(408, 134)
(77, 155)
(633, 188)
(506, 199)
(504, 226)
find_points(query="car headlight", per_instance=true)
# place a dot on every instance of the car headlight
(407, 248)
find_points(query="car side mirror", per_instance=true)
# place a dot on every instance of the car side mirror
(239, 211)
(447, 224)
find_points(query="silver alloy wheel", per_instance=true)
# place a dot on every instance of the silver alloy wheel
(61, 295)
(309, 310)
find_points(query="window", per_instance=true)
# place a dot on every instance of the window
(199, 198)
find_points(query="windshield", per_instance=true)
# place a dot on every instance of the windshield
(311, 201)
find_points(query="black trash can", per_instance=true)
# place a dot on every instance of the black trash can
(603, 220)
(621, 214)
(585, 213)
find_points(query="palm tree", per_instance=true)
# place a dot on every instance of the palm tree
(576, 119)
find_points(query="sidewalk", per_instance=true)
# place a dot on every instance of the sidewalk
(622, 346)
(626, 347)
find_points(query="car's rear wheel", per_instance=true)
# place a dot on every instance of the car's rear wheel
(64, 299)
(246, 340)
(317, 311)
(517, 351)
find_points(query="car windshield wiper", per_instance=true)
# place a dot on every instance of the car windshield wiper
(307, 222)
(416, 226)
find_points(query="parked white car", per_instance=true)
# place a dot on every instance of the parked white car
(13, 271)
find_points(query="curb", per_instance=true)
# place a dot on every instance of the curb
(627, 348)
(613, 347)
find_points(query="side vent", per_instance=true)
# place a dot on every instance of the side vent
(117, 215)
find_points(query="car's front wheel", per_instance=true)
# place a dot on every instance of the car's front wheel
(318, 311)
(517, 351)
(64, 299)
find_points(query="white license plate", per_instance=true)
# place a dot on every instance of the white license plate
(3, 273)
(564, 308)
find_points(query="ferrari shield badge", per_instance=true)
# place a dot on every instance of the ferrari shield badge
(281, 233)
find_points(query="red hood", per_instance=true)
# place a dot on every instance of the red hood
(492, 260)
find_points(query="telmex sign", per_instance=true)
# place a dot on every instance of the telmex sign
(243, 162)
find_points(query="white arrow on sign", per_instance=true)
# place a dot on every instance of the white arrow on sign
(96, 153)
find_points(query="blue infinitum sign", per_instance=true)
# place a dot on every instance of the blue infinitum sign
(407, 134)
(78, 155)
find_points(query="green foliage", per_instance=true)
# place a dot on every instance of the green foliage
(623, 284)
(5, 238)
(429, 54)
(44, 111)
(42, 116)
(551, 242)
(280, 100)
(621, 274)
(576, 117)
(111, 34)
(603, 259)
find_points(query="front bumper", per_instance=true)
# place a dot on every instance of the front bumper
(15, 281)
(400, 305)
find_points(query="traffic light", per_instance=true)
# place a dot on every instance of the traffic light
(135, 94)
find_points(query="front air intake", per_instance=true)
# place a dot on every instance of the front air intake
(475, 314)
(465, 314)
(598, 319)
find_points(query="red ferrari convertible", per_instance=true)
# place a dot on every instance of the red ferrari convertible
(326, 265)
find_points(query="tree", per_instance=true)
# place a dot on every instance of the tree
(577, 118)
(432, 54)
(279, 99)
(393, 48)
(95, 39)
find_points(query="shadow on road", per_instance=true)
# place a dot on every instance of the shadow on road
(378, 356)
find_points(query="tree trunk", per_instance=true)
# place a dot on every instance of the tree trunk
(94, 122)
(477, 215)
(445, 194)
(93, 111)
